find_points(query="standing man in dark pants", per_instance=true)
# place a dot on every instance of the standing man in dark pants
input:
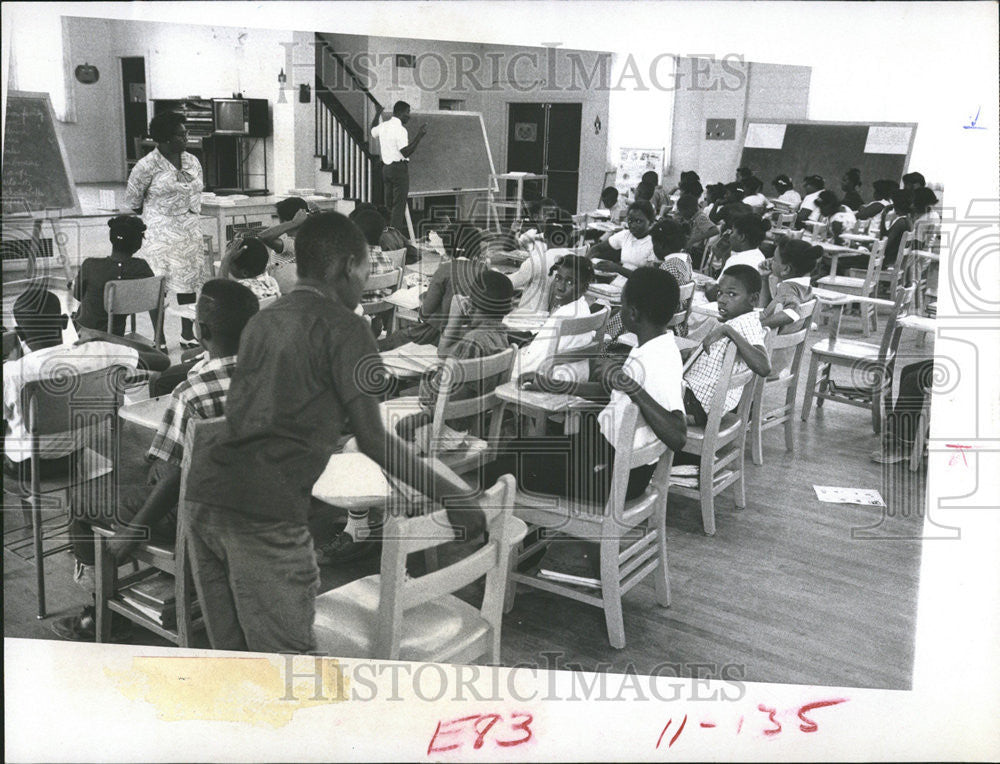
(396, 149)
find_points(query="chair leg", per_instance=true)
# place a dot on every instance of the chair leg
(611, 591)
(807, 399)
(877, 410)
(662, 573)
(919, 441)
(865, 310)
(105, 572)
(756, 435)
(705, 486)
(824, 384)
(511, 592)
(36, 534)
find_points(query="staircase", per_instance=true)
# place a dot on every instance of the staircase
(346, 165)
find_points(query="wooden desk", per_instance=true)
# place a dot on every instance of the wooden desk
(256, 207)
(148, 413)
(923, 254)
(525, 322)
(183, 311)
(539, 405)
(411, 360)
(858, 238)
(919, 323)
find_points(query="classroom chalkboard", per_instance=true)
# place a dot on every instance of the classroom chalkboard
(36, 174)
(453, 155)
(828, 149)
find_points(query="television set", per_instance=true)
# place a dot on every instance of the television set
(232, 116)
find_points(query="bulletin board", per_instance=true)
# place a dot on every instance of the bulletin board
(633, 162)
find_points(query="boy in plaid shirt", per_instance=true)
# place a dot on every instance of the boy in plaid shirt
(224, 308)
(739, 290)
(372, 224)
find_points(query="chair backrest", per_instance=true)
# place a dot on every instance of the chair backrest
(68, 401)
(686, 292)
(785, 350)
(129, 296)
(874, 269)
(388, 280)
(201, 434)
(396, 256)
(890, 337)
(728, 381)
(404, 536)
(627, 459)
(455, 375)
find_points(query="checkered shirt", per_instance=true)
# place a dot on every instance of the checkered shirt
(202, 395)
(703, 376)
(380, 264)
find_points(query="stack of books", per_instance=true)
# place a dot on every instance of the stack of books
(155, 598)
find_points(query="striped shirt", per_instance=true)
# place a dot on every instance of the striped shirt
(202, 395)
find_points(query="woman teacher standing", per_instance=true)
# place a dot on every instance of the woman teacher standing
(396, 148)
(165, 187)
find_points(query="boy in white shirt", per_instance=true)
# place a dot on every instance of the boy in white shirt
(813, 185)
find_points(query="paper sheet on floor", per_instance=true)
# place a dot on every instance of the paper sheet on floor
(842, 495)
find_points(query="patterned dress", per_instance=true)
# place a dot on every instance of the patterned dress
(171, 205)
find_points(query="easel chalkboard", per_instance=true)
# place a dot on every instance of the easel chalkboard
(37, 181)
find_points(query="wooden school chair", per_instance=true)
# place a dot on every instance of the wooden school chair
(157, 556)
(79, 406)
(681, 316)
(454, 376)
(132, 296)
(720, 443)
(391, 616)
(639, 524)
(538, 406)
(870, 365)
(785, 351)
(864, 285)
(396, 256)
(389, 280)
(899, 273)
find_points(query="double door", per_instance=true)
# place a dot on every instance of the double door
(544, 138)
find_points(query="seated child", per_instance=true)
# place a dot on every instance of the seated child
(837, 216)
(245, 261)
(786, 191)
(580, 466)
(280, 239)
(658, 196)
(714, 194)
(733, 194)
(873, 211)
(755, 196)
(572, 276)
(850, 185)
(372, 225)
(629, 249)
(223, 310)
(701, 228)
(739, 291)
(40, 323)
(748, 233)
(610, 202)
(88, 287)
(813, 186)
(793, 265)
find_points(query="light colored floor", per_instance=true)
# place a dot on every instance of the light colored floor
(782, 593)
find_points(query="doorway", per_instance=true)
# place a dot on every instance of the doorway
(134, 105)
(545, 138)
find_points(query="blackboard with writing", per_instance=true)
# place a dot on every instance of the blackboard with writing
(36, 174)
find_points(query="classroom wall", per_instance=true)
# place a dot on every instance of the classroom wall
(728, 89)
(181, 60)
(437, 78)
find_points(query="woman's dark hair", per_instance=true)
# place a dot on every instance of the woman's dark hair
(371, 224)
(644, 207)
(687, 204)
(902, 201)
(251, 257)
(782, 183)
(650, 178)
(924, 198)
(884, 188)
(653, 293)
(827, 200)
(669, 236)
(492, 293)
(751, 228)
(163, 126)
(801, 256)
(734, 210)
(582, 267)
(689, 175)
(715, 191)
(915, 178)
(736, 190)
(126, 233)
(690, 186)
(287, 208)
(644, 192)
(815, 181)
(609, 196)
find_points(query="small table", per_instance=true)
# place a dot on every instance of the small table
(148, 413)
(410, 360)
(858, 238)
(538, 405)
